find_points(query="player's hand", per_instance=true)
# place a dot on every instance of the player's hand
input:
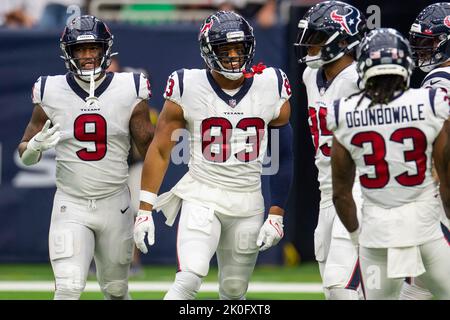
(46, 138)
(271, 232)
(144, 224)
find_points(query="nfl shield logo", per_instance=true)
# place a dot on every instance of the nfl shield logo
(232, 103)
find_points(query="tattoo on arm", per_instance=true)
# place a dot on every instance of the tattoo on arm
(141, 129)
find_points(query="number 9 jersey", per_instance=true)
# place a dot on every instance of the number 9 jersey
(92, 153)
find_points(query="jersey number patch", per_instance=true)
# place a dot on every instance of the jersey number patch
(91, 128)
(378, 155)
(318, 128)
(216, 135)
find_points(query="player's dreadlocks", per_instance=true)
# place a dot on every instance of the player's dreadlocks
(381, 89)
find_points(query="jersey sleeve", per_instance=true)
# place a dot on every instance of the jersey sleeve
(441, 103)
(284, 91)
(437, 80)
(174, 87)
(144, 88)
(36, 96)
(332, 116)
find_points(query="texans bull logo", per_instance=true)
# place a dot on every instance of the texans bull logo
(349, 22)
(447, 21)
(206, 26)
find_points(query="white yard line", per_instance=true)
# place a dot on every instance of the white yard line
(140, 286)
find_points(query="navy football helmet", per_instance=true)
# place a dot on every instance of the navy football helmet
(86, 29)
(384, 51)
(429, 36)
(327, 25)
(223, 28)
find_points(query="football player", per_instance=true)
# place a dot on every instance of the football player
(429, 38)
(328, 35)
(391, 134)
(229, 110)
(93, 114)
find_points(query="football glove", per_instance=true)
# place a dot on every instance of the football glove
(45, 139)
(271, 232)
(144, 224)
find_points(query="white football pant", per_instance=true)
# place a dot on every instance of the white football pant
(203, 232)
(436, 260)
(81, 229)
(337, 258)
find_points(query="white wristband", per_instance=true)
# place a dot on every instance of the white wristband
(148, 197)
(30, 156)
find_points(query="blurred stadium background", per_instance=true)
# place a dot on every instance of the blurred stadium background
(157, 36)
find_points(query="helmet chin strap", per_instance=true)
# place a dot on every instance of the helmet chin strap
(314, 62)
(85, 75)
(231, 75)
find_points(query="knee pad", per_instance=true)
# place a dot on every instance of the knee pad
(233, 289)
(115, 290)
(69, 282)
(185, 287)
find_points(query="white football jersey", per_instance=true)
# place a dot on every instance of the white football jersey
(228, 133)
(320, 95)
(438, 78)
(91, 157)
(392, 144)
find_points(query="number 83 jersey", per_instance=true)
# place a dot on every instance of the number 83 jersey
(95, 141)
(228, 130)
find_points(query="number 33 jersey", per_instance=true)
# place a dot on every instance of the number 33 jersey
(95, 141)
(228, 131)
(392, 144)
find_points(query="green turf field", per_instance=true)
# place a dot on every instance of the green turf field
(303, 274)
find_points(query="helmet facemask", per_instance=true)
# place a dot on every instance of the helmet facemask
(223, 33)
(309, 39)
(230, 58)
(101, 62)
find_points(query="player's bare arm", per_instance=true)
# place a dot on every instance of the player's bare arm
(272, 230)
(37, 121)
(283, 119)
(158, 154)
(343, 177)
(141, 129)
(441, 156)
